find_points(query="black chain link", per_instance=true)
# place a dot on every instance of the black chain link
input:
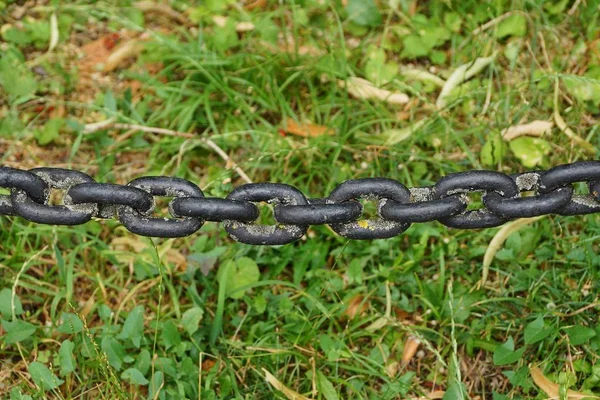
(505, 197)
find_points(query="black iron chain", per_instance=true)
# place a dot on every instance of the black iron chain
(505, 197)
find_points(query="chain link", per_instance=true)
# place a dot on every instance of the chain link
(505, 197)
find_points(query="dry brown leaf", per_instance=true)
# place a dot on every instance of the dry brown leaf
(356, 306)
(534, 128)
(256, 4)
(552, 389)
(392, 369)
(438, 394)
(287, 392)
(160, 8)
(363, 89)
(410, 349)
(127, 50)
(305, 129)
(97, 52)
(208, 364)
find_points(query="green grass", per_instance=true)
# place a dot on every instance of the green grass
(96, 312)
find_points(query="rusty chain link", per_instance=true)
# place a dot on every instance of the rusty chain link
(504, 198)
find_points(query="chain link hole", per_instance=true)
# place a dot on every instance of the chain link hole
(369, 208)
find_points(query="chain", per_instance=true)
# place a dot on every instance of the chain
(504, 198)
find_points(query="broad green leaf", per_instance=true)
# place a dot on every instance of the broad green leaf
(506, 353)
(236, 274)
(580, 334)
(71, 324)
(16, 394)
(156, 385)
(114, 351)
(493, 150)
(363, 12)
(377, 70)
(530, 151)
(190, 319)
(6, 303)
(133, 328)
(225, 37)
(325, 387)
(536, 331)
(170, 335)
(17, 80)
(413, 47)
(143, 362)
(66, 357)
(17, 331)
(49, 132)
(515, 25)
(134, 376)
(584, 88)
(43, 377)
(456, 391)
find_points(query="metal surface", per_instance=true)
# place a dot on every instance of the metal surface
(505, 197)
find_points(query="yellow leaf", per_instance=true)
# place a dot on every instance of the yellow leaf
(552, 389)
(304, 129)
(287, 392)
(363, 89)
(534, 128)
(498, 241)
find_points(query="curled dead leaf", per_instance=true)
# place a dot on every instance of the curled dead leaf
(460, 75)
(126, 51)
(552, 389)
(534, 128)
(287, 392)
(256, 4)
(410, 349)
(438, 394)
(160, 8)
(305, 129)
(497, 241)
(356, 306)
(363, 89)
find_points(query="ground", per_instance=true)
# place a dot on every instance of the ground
(309, 93)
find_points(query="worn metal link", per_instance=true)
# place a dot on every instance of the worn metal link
(505, 197)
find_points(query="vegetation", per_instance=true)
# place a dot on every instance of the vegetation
(309, 93)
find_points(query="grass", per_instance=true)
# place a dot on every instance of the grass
(96, 312)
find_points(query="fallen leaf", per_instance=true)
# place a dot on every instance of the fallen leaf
(410, 349)
(562, 125)
(54, 33)
(552, 389)
(256, 4)
(394, 136)
(305, 130)
(534, 128)
(460, 75)
(356, 306)
(497, 242)
(377, 324)
(363, 89)
(127, 50)
(287, 392)
(240, 27)
(392, 369)
(423, 76)
(97, 52)
(208, 364)
(438, 394)
(160, 8)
